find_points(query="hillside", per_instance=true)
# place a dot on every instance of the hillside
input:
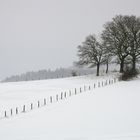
(16, 94)
(106, 113)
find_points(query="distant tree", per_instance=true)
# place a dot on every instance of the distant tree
(107, 55)
(122, 36)
(90, 53)
(46, 74)
(132, 24)
(114, 36)
(107, 61)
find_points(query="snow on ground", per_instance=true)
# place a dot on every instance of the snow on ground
(107, 113)
(16, 94)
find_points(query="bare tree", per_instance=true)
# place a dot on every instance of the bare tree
(115, 38)
(107, 55)
(132, 24)
(91, 53)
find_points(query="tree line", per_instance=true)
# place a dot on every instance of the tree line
(48, 74)
(119, 41)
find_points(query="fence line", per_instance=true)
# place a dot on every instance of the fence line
(58, 97)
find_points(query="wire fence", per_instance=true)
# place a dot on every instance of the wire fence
(56, 98)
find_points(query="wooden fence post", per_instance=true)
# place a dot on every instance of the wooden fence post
(109, 81)
(98, 84)
(75, 91)
(61, 95)
(65, 94)
(69, 92)
(102, 84)
(24, 108)
(51, 99)
(89, 87)
(38, 104)
(94, 85)
(16, 110)
(5, 114)
(11, 112)
(31, 106)
(106, 83)
(80, 90)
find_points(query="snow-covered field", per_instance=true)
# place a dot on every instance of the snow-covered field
(16, 94)
(106, 113)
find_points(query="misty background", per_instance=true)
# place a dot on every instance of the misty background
(43, 34)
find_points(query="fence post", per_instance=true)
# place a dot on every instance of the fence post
(80, 90)
(61, 95)
(106, 83)
(5, 114)
(65, 94)
(57, 97)
(31, 106)
(38, 104)
(24, 108)
(89, 87)
(94, 85)
(102, 84)
(16, 110)
(98, 84)
(69, 92)
(75, 91)
(11, 112)
(51, 99)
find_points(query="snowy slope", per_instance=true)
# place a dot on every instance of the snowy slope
(16, 94)
(107, 113)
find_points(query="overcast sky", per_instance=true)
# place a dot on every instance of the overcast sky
(42, 34)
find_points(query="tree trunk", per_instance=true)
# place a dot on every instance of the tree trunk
(134, 64)
(98, 68)
(122, 66)
(107, 67)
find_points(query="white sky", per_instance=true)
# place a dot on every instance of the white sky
(42, 34)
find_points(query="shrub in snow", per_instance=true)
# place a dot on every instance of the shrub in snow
(129, 73)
